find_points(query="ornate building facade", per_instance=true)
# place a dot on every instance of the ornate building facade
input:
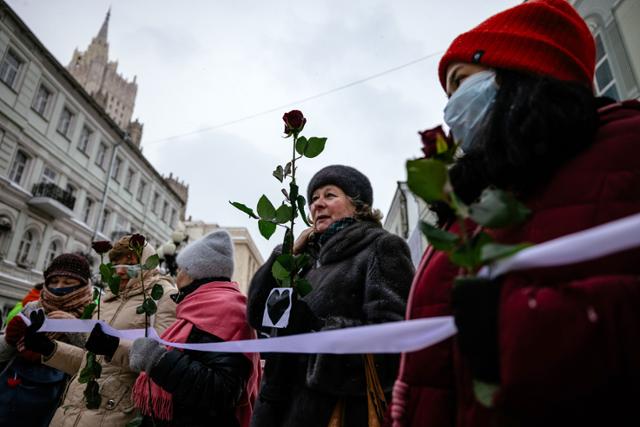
(100, 78)
(69, 172)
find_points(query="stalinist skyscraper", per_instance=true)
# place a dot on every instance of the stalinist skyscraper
(101, 80)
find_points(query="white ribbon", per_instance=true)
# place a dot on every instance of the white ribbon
(392, 337)
(596, 242)
(409, 335)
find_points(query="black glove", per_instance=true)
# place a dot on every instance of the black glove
(38, 341)
(101, 343)
(280, 367)
(475, 308)
(301, 318)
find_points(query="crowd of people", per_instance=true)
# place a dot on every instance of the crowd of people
(550, 346)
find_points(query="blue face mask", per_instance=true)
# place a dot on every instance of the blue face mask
(60, 292)
(133, 271)
(468, 108)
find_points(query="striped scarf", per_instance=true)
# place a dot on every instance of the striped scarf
(68, 306)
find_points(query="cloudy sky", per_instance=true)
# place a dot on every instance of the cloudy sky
(209, 72)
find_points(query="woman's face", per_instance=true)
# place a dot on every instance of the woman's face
(57, 282)
(457, 72)
(329, 204)
(121, 268)
(183, 279)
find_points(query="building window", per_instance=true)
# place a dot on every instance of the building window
(52, 252)
(10, 68)
(129, 179)
(66, 120)
(172, 222)
(122, 224)
(49, 175)
(19, 166)
(41, 100)
(105, 221)
(88, 207)
(102, 154)
(605, 83)
(71, 189)
(165, 208)
(27, 243)
(154, 205)
(117, 164)
(85, 136)
(142, 187)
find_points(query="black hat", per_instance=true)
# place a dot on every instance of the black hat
(69, 265)
(353, 182)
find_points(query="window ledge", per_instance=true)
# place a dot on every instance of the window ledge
(42, 116)
(63, 135)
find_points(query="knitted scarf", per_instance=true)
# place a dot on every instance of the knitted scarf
(69, 306)
(218, 308)
(334, 228)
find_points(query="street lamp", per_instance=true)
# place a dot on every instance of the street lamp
(170, 249)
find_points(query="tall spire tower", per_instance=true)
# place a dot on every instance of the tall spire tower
(104, 30)
(101, 80)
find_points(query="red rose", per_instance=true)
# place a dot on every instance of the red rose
(294, 122)
(435, 142)
(101, 246)
(136, 242)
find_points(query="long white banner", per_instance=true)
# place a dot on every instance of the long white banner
(409, 335)
(596, 242)
(392, 337)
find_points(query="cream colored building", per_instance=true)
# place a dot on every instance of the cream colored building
(615, 25)
(68, 172)
(247, 257)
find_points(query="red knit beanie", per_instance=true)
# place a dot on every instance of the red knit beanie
(68, 265)
(545, 37)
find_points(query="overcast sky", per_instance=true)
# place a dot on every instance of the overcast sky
(201, 64)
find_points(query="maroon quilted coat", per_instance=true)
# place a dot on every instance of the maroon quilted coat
(569, 337)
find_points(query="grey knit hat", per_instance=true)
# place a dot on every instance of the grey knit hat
(350, 180)
(210, 256)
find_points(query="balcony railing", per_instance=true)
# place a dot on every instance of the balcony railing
(46, 189)
(53, 200)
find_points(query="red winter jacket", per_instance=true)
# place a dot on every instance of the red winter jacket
(569, 337)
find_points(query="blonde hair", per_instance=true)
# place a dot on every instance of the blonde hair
(364, 212)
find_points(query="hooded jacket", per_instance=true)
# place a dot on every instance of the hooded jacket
(116, 381)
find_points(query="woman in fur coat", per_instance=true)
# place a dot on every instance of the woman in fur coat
(360, 274)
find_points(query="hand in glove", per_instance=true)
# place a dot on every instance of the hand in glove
(101, 343)
(475, 309)
(145, 353)
(37, 341)
(301, 318)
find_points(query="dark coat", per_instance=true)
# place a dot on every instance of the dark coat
(569, 337)
(35, 397)
(360, 276)
(205, 386)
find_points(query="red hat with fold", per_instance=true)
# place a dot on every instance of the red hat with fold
(545, 37)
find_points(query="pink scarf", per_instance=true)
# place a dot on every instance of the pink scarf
(218, 308)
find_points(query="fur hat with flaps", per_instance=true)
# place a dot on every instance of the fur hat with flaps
(208, 257)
